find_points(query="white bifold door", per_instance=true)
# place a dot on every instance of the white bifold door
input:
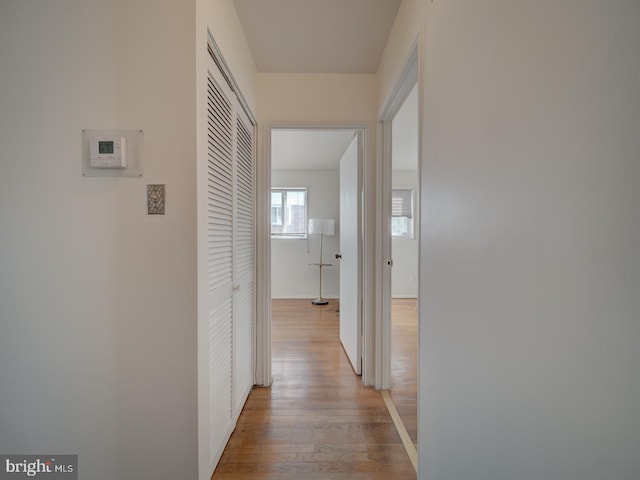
(228, 199)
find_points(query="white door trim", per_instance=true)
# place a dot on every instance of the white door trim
(263, 259)
(407, 80)
(263, 247)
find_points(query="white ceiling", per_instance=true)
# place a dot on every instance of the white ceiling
(317, 36)
(308, 149)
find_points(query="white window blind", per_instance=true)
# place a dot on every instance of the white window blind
(402, 212)
(401, 202)
(289, 212)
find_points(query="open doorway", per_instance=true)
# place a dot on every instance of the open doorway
(316, 226)
(397, 293)
(404, 274)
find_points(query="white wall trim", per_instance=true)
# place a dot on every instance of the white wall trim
(263, 266)
(218, 58)
(307, 297)
(405, 83)
(383, 257)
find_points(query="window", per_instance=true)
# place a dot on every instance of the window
(402, 213)
(289, 212)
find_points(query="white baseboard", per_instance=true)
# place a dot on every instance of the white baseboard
(297, 297)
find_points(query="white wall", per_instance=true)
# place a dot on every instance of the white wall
(97, 300)
(404, 274)
(291, 274)
(221, 19)
(317, 98)
(530, 287)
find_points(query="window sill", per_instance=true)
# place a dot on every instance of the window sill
(285, 237)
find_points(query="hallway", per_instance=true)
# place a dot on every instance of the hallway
(317, 420)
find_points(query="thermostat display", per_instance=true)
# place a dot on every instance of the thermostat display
(106, 146)
(108, 152)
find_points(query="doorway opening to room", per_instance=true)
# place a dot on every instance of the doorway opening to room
(400, 246)
(404, 274)
(316, 240)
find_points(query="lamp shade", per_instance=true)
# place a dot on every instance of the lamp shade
(322, 226)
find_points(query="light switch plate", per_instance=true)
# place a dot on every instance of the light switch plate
(155, 199)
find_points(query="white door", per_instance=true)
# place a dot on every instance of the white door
(226, 251)
(243, 272)
(219, 257)
(350, 245)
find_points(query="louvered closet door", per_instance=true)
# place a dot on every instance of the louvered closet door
(220, 212)
(230, 259)
(244, 262)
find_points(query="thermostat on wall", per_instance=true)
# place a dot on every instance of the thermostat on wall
(112, 152)
(108, 152)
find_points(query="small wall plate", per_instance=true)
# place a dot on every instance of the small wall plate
(155, 199)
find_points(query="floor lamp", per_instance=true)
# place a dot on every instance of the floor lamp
(322, 227)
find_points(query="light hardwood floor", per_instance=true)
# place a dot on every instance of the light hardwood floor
(317, 421)
(404, 363)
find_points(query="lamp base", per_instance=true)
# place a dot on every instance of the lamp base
(320, 301)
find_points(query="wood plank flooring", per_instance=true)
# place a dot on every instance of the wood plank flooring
(404, 363)
(317, 421)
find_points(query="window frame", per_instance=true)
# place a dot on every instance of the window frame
(284, 215)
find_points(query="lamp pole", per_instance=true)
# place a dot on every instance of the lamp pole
(320, 300)
(321, 227)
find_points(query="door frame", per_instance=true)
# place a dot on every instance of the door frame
(409, 77)
(263, 247)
